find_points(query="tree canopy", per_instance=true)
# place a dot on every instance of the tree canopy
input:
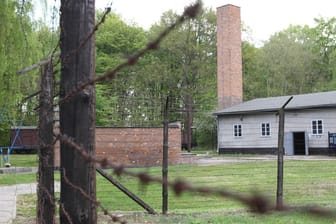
(298, 59)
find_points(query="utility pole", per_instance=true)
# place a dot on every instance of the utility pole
(77, 114)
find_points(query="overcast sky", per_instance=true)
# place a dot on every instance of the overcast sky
(264, 17)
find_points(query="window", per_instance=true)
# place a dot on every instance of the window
(265, 129)
(237, 130)
(317, 127)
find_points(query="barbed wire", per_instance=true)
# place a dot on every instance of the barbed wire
(189, 12)
(257, 203)
(50, 197)
(73, 53)
(92, 200)
(65, 213)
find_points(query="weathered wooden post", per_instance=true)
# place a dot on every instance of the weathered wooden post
(188, 121)
(45, 191)
(77, 113)
(165, 159)
(279, 195)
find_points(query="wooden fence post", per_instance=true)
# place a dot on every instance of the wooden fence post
(165, 159)
(77, 114)
(279, 194)
(45, 191)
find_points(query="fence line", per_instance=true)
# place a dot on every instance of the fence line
(189, 12)
(256, 202)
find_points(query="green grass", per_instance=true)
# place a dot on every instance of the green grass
(11, 179)
(305, 183)
(300, 188)
(26, 212)
(20, 160)
(23, 160)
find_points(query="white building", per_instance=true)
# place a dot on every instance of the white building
(252, 126)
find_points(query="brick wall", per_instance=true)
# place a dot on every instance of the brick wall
(229, 57)
(135, 147)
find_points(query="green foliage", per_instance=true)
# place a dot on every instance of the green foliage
(205, 133)
(299, 59)
(187, 68)
(20, 47)
(184, 62)
(115, 99)
(286, 65)
(251, 79)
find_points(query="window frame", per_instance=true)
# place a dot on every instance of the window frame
(237, 130)
(315, 127)
(263, 129)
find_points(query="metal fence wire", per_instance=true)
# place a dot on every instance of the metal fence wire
(231, 186)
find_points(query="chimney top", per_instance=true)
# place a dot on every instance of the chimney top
(228, 5)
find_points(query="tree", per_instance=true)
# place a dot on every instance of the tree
(299, 59)
(188, 66)
(324, 37)
(285, 63)
(251, 77)
(18, 48)
(114, 41)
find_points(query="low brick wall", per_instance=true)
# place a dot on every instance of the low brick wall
(135, 147)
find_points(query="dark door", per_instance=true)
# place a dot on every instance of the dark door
(299, 143)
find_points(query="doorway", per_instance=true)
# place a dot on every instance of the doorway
(299, 143)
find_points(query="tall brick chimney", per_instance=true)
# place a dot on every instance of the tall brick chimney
(229, 57)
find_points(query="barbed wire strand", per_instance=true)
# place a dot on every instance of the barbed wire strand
(257, 203)
(75, 52)
(189, 12)
(93, 200)
(65, 213)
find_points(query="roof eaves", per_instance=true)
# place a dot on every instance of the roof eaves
(274, 110)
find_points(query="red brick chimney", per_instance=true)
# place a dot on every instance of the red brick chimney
(229, 57)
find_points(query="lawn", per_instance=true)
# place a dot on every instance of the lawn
(23, 160)
(319, 187)
(20, 160)
(305, 183)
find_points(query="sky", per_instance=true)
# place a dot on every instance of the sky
(264, 17)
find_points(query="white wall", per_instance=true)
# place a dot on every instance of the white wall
(295, 121)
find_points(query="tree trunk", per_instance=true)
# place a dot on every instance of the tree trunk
(77, 115)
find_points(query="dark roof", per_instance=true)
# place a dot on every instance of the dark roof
(272, 104)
